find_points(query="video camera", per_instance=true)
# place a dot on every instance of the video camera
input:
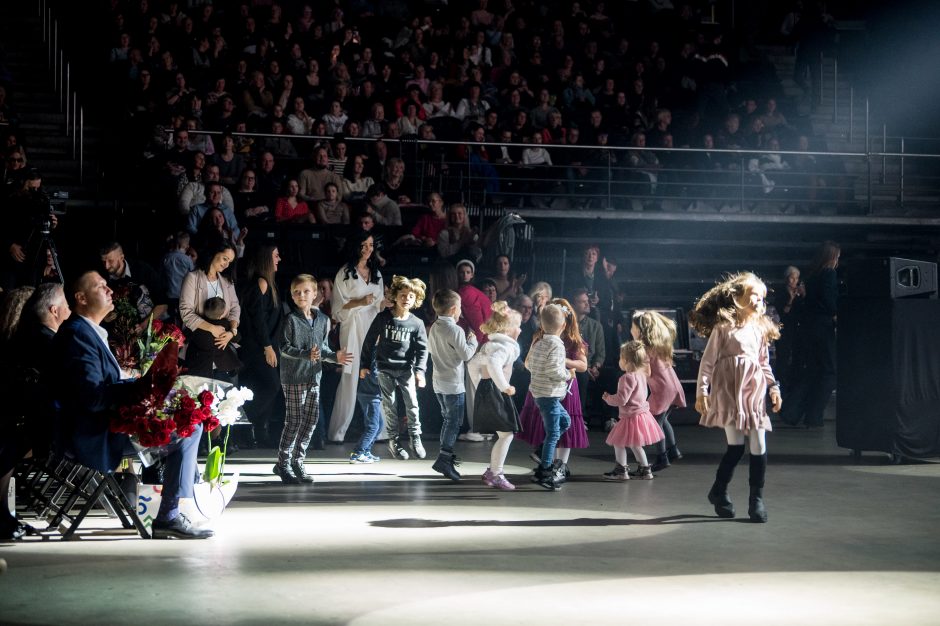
(45, 206)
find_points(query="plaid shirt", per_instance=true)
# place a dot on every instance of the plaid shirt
(546, 361)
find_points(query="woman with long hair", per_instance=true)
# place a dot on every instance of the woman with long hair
(259, 344)
(358, 296)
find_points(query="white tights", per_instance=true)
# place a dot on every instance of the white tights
(620, 453)
(499, 452)
(563, 454)
(756, 439)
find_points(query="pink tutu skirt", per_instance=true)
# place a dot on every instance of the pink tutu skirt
(635, 431)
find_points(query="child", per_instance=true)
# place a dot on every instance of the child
(733, 380)
(369, 398)
(549, 385)
(576, 359)
(450, 346)
(490, 369)
(636, 427)
(400, 344)
(658, 334)
(203, 356)
(176, 264)
(303, 347)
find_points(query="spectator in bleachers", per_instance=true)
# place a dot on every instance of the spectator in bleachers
(590, 276)
(290, 208)
(436, 106)
(472, 109)
(335, 119)
(375, 125)
(251, 208)
(214, 200)
(410, 122)
(458, 240)
(382, 208)
(281, 145)
(332, 210)
(299, 122)
(398, 187)
(429, 225)
(313, 181)
(355, 184)
(230, 164)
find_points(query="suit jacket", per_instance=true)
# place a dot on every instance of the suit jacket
(86, 387)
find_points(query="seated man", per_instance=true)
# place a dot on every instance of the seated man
(146, 286)
(86, 387)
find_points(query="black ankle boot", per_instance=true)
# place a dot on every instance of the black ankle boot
(662, 462)
(718, 495)
(445, 465)
(756, 510)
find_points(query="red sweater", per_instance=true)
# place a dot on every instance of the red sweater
(475, 309)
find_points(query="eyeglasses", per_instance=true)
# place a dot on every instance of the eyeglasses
(16, 160)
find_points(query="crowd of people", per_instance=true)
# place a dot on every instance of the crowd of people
(345, 345)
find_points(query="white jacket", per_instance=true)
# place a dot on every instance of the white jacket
(494, 360)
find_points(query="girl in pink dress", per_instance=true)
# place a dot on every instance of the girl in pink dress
(636, 426)
(533, 430)
(658, 334)
(733, 380)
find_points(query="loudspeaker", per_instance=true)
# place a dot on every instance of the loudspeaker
(891, 277)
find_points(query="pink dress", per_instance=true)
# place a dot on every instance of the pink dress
(533, 429)
(665, 388)
(637, 426)
(735, 373)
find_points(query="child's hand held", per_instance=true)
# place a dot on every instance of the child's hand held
(363, 373)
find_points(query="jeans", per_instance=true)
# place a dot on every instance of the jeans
(371, 407)
(670, 436)
(404, 382)
(452, 407)
(556, 421)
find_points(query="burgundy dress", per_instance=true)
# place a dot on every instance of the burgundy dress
(533, 430)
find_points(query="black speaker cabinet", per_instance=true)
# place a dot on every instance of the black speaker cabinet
(888, 376)
(891, 277)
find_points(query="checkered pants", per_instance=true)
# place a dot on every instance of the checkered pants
(300, 420)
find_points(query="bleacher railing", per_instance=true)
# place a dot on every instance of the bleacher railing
(889, 179)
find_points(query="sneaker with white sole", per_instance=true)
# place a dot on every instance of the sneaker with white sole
(618, 473)
(488, 477)
(471, 436)
(418, 447)
(500, 482)
(396, 450)
(360, 457)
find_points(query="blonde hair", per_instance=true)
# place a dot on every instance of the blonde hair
(502, 319)
(300, 279)
(11, 310)
(402, 283)
(541, 287)
(552, 319)
(444, 300)
(722, 304)
(633, 353)
(571, 332)
(657, 332)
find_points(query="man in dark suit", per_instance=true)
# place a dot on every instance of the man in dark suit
(87, 385)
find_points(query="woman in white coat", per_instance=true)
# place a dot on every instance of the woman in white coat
(358, 296)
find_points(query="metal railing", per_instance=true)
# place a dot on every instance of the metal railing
(660, 179)
(61, 69)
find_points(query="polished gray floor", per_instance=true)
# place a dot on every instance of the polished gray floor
(847, 543)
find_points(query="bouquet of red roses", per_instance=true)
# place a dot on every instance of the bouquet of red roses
(157, 408)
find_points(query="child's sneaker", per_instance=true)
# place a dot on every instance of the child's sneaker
(417, 447)
(488, 477)
(396, 450)
(545, 477)
(618, 473)
(373, 458)
(360, 457)
(642, 472)
(500, 482)
(536, 454)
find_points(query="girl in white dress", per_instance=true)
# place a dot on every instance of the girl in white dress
(358, 296)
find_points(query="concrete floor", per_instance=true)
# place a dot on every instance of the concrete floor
(390, 544)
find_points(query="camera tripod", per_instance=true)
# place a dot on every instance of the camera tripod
(44, 250)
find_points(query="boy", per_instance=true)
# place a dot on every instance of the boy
(400, 345)
(176, 264)
(450, 348)
(303, 347)
(203, 356)
(546, 362)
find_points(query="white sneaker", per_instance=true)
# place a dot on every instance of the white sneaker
(471, 436)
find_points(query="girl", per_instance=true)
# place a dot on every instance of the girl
(733, 379)
(637, 427)
(533, 431)
(490, 370)
(658, 334)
